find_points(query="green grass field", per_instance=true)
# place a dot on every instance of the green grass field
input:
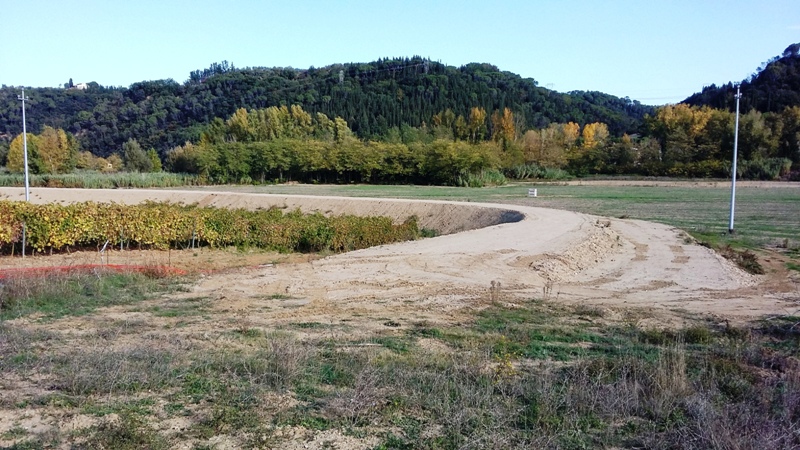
(763, 215)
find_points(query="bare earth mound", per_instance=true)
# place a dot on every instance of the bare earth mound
(527, 252)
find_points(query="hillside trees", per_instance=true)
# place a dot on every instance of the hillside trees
(372, 98)
(774, 87)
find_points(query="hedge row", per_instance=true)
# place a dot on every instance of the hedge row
(165, 225)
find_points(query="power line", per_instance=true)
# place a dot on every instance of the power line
(343, 74)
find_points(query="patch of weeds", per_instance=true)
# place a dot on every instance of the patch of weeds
(233, 411)
(697, 335)
(273, 366)
(25, 359)
(428, 233)
(72, 295)
(793, 266)
(305, 417)
(307, 392)
(392, 442)
(250, 333)
(395, 344)
(554, 351)
(57, 400)
(130, 432)
(589, 311)
(140, 407)
(14, 433)
(279, 297)
(785, 330)
(426, 332)
(745, 259)
(184, 308)
(658, 337)
(339, 368)
(737, 333)
(18, 346)
(392, 323)
(499, 319)
(732, 380)
(309, 325)
(200, 386)
(115, 371)
(34, 444)
(175, 409)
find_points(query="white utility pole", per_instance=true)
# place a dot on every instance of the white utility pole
(735, 154)
(25, 146)
(25, 160)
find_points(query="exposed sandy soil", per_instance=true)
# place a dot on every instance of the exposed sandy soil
(530, 252)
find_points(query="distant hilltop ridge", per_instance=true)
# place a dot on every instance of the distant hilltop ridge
(371, 97)
(773, 87)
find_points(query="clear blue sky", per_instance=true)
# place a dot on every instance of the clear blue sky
(655, 51)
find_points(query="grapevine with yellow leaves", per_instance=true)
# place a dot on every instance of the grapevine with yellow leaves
(56, 227)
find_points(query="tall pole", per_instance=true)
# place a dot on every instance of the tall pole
(25, 146)
(25, 160)
(735, 154)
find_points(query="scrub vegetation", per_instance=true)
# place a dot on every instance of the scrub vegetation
(532, 374)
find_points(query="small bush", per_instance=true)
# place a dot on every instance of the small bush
(745, 259)
(130, 432)
(764, 169)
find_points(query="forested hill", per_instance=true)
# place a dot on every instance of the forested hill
(775, 86)
(371, 97)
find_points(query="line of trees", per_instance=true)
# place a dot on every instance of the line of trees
(290, 143)
(55, 151)
(678, 140)
(280, 143)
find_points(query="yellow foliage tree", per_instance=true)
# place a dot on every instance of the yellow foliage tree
(15, 161)
(549, 146)
(594, 135)
(570, 131)
(56, 154)
(503, 129)
(302, 121)
(239, 126)
(477, 124)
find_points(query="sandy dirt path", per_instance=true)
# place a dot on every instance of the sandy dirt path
(523, 252)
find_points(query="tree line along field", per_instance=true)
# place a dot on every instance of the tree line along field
(288, 144)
